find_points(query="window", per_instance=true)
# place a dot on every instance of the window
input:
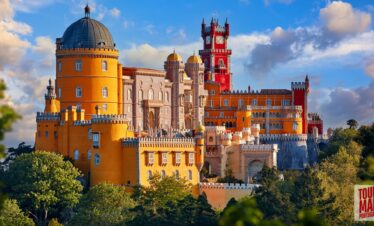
(104, 92)
(254, 102)
(105, 107)
(59, 92)
(163, 174)
(191, 158)
(104, 65)
(189, 174)
(210, 139)
(212, 92)
(97, 159)
(129, 94)
(76, 154)
(79, 106)
(78, 92)
(177, 158)
(129, 109)
(59, 66)
(226, 102)
(89, 134)
(167, 96)
(140, 94)
(285, 102)
(240, 103)
(221, 63)
(151, 158)
(160, 96)
(89, 154)
(96, 140)
(78, 65)
(268, 102)
(295, 126)
(206, 114)
(221, 114)
(55, 134)
(176, 174)
(149, 174)
(164, 158)
(211, 103)
(46, 134)
(150, 94)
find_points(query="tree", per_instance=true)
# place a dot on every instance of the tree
(7, 117)
(245, 212)
(157, 199)
(338, 174)
(352, 124)
(104, 204)
(43, 183)
(11, 214)
(13, 153)
(310, 217)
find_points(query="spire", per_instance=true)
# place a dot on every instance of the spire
(306, 78)
(87, 11)
(212, 21)
(227, 22)
(50, 91)
(203, 22)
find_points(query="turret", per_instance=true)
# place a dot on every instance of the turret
(227, 28)
(203, 26)
(51, 103)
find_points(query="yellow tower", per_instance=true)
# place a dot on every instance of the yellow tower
(87, 69)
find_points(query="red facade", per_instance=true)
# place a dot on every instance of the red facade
(215, 54)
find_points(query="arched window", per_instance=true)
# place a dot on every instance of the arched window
(89, 154)
(226, 102)
(105, 107)
(176, 174)
(240, 103)
(76, 154)
(160, 96)
(104, 65)
(295, 126)
(268, 102)
(59, 66)
(78, 91)
(104, 92)
(167, 96)
(149, 174)
(150, 94)
(59, 92)
(189, 174)
(140, 94)
(129, 94)
(97, 159)
(163, 174)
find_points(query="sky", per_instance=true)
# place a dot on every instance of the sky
(273, 42)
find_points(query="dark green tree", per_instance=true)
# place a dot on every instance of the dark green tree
(352, 124)
(104, 204)
(13, 153)
(43, 183)
(11, 214)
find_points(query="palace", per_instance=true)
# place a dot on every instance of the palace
(122, 124)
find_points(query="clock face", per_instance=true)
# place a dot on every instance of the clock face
(219, 39)
(208, 40)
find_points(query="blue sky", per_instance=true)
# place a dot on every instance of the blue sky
(274, 42)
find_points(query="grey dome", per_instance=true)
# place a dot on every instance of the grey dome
(87, 33)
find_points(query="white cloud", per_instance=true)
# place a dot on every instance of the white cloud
(115, 12)
(45, 48)
(341, 19)
(128, 24)
(30, 5)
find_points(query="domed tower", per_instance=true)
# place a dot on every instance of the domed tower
(87, 69)
(174, 68)
(195, 70)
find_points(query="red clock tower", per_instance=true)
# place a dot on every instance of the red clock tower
(215, 54)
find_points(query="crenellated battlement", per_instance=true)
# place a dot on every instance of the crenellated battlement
(215, 128)
(159, 142)
(119, 119)
(47, 116)
(228, 186)
(283, 137)
(298, 86)
(82, 123)
(259, 147)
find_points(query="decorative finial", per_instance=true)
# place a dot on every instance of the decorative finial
(227, 22)
(203, 21)
(87, 11)
(50, 82)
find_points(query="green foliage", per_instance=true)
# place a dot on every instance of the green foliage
(104, 204)
(12, 215)
(366, 138)
(54, 222)
(42, 183)
(229, 178)
(246, 213)
(7, 117)
(310, 218)
(340, 137)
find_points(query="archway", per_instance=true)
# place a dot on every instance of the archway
(253, 168)
(206, 170)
